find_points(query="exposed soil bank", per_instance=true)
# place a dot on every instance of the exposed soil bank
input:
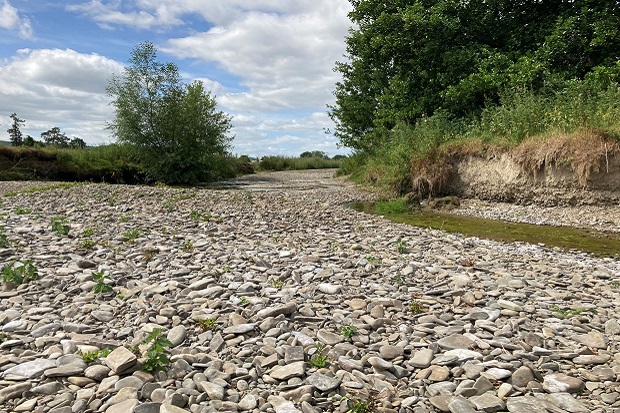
(503, 179)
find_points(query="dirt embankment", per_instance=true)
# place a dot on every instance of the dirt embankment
(563, 171)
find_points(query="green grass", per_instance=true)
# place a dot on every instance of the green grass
(284, 163)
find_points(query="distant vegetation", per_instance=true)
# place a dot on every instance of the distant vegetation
(426, 82)
(307, 160)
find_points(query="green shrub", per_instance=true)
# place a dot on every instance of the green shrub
(156, 358)
(60, 226)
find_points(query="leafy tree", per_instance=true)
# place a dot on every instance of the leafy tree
(314, 154)
(15, 134)
(29, 141)
(55, 137)
(409, 59)
(176, 131)
(77, 143)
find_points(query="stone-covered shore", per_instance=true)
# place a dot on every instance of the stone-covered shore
(433, 322)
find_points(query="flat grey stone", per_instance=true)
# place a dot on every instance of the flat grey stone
(561, 383)
(323, 382)
(286, 309)
(488, 402)
(422, 358)
(121, 360)
(177, 335)
(455, 341)
(240, 329)
(295, 369)
(30, 369)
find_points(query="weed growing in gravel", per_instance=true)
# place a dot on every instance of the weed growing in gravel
(4, 337)
(398, 279)
(401, 246)
(415, 307)
(4, 239)
(19, 273)
(111, 201)
(149, 254)
(132, 234)
(244, 301)
(187, 246)
(60, 226)
(87, 244)
(19, 210)
(319, 359)
(373, 260)
(101, 287)
(349, 331)
(92, 356)
(277, 284)
(614, 284)
(64, 185)
(88, 232)
(565, 313)
(156, 358)
(169, 206)
(358, 405)
(208, 324)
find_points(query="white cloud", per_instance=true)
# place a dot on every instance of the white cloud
(10, 19)
(53, 87)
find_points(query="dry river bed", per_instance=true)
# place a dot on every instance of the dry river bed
(314, 307)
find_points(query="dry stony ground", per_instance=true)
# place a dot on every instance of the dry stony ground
(313, 307)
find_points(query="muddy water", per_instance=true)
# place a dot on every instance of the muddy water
(597, 243)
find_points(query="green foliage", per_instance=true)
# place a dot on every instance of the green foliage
(399, 279)
(401, 246)
(4, 239)
(415, 307)
(408, 60)
(87, 244)
(314, 154)
(566, 313)
(156, 358)
(244, 301)
(319, 358)
(101, 287)
(396, 206)
(92, 356)
(277, 284)
(19, 273)
(60, 226)
(187, 246)
(174, 129)
(349, 331)
(208, 324)
(132, 234)
(359, 405)
(54, 137)
(20, 210)
(284, 163)
(15, 134)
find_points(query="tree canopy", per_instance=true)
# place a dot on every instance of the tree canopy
(409, 59)
(178, 134)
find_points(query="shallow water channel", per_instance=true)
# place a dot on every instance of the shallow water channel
(601, 244)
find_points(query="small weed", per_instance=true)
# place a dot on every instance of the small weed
(111, 201)
(360, 228)
(349, 331)
(401, 246)
(4, 337)
(277, 284)
(92, 356)
(19, 210)
(4, 239)
(415, 307)
(398, 279)
(208, 324)
(120, 297)
(614, 284)
(319, 359)
(101, 287)
(570, 312)
(124, 218)
(156, 358)
(60, 226)
(169, 206)
(249, 197)
(87, 244)
(244, 301)
(149, 254)
(88, 232)
(187, 246)
(132, 234)
(19, 273)
(358, 405)
(373, 260)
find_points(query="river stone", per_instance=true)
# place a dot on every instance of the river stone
(567, 402)
(240, 328)
(30, 369)
(455, 341)
(121, 360)
(592, 359)
(525, 404)
(248, 402)
(488, 402)
(593, 339)
(322, 382)
(521, 377)
(422, 358)
(214, 391)
(391, 352)
(328, 337)
(177, 335)
(147, 408)
(286, 309)
(561, 383)
(460, 404)
(281, 405)
(295, 369)
(168, 408)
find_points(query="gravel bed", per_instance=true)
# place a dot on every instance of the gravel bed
(276, 298)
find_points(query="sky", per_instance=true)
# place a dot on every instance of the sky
(269, 64)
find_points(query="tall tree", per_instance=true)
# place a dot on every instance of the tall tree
(177, 133)
(408, 59)
(55, 137)
(15, 134)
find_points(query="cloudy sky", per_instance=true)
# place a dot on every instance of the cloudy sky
(269, 63)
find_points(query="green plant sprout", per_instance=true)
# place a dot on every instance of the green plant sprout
(19, 273)
(319, 359)
(156, 357)
(349, 332)
(60, 226)
(101, 287)
(208, 324)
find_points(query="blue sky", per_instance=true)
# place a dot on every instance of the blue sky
(269, 63)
